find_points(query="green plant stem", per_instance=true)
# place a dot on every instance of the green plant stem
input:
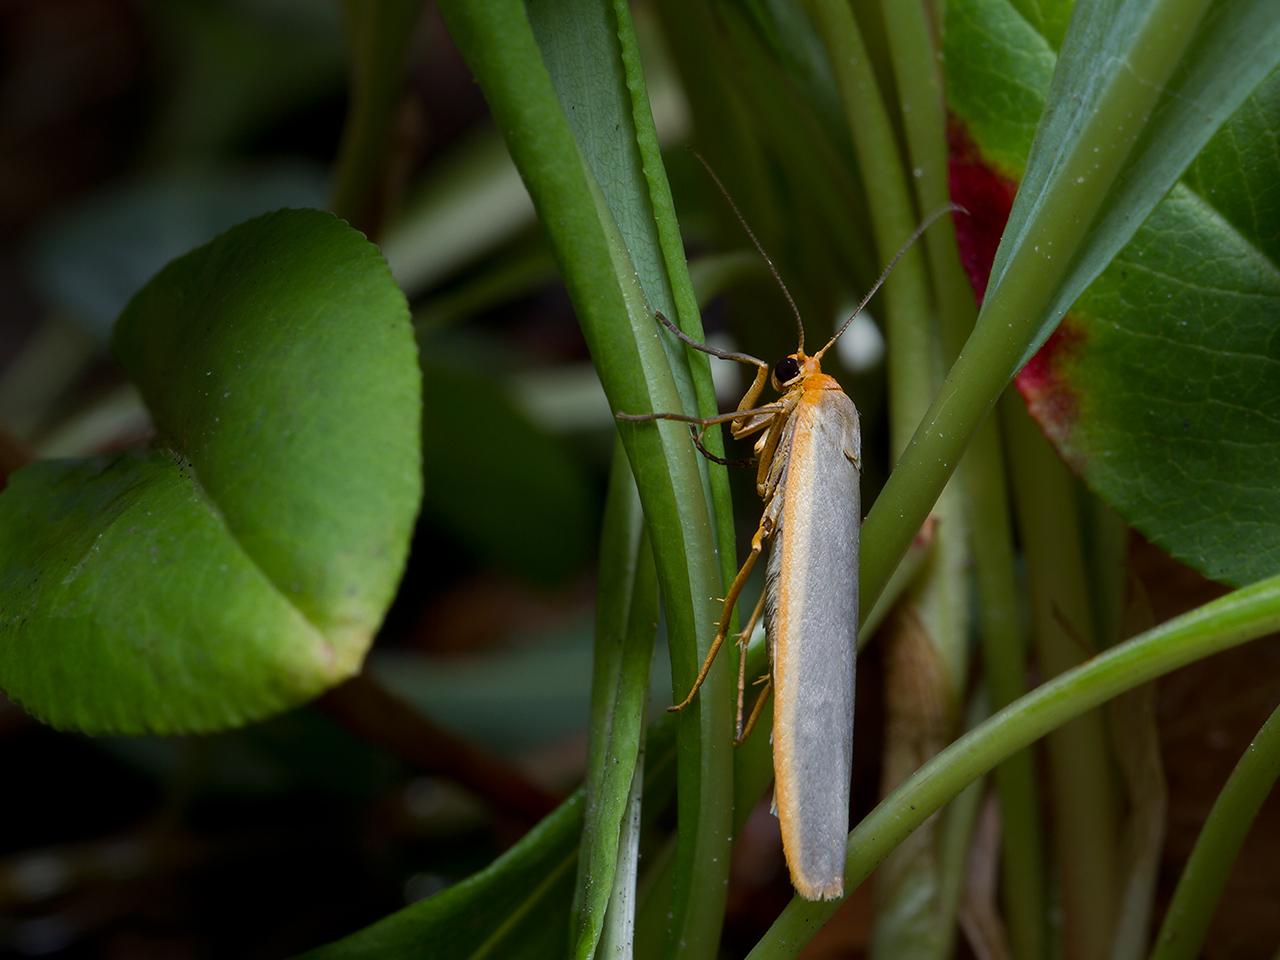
(981, 474)
(1085, 794)
(1237, 618)
(626, 624)
(1187, 922)
(379, 34)
(927, 662)
(912, 353)
(919, 84)
(637, 372)
(702, 876)
(1004, 664)
(955, 838)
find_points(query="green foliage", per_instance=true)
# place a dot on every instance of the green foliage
(1163, 378)
(516, 907)
(565, 118)
(468, 464)
(242, 564)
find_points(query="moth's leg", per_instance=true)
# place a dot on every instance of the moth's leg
(756, 709)
(763, 531)
(723, 461)
(704, 421)
(743, 639)
(749, 399)
(765, 458)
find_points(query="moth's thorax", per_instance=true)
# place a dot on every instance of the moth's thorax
(810, 382)
(799, 370)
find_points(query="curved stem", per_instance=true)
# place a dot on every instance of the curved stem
(1243, 615)
(1220, 840)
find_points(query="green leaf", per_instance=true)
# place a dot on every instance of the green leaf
(230, 70)
(514, 908)
(243, 563)
(626, 622)
(503, 910)
(1160, 385)
(1163, 386)
(467, 470)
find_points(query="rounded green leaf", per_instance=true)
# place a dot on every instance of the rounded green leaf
(243, 563)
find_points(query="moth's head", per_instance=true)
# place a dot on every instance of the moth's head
(791, 369)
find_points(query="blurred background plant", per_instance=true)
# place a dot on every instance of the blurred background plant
(135, 131)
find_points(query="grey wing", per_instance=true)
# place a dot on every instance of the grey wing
(812, 622)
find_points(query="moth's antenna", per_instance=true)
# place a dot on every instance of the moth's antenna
(928, 222)
(742, 220)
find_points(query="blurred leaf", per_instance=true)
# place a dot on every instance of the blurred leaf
(91, 259)
(242, 564)
(503, 910)
(302, 750)
(626, 621)
(507, 489)
(1183, 447)
(516, 907)
(471, 201)
(37, 380)
(520, 270)
(511, 700)
(230, 68)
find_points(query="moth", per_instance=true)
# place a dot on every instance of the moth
(808, 458)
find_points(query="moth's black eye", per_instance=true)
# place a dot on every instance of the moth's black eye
(788, 369)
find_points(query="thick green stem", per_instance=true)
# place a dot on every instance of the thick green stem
(616, 278)
(912, 350)
(919, 84)
(626, 624)
(1237, 618)
(379, 34)
(1004, 661)
(1085, 794)
(981, 475)
(1203, 878)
